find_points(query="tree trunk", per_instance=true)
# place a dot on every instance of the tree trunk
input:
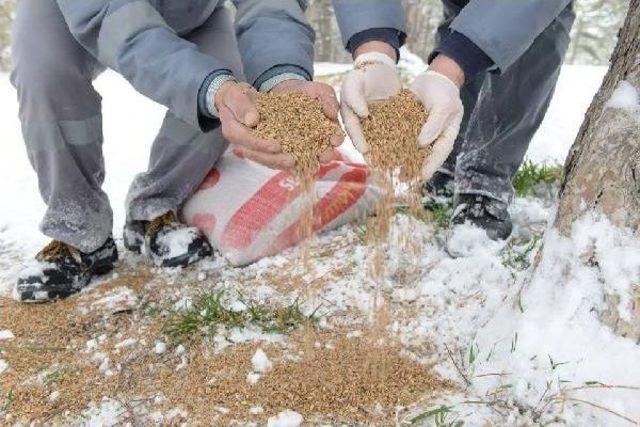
(602, 171)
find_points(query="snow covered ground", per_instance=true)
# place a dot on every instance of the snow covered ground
(522, 349)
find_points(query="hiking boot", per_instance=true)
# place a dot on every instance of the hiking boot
(133, 236)
(438, 191)
(61, 270)
(168, 242)
(489, 214)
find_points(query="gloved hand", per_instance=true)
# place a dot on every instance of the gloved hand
(374, 78)
(441, 98)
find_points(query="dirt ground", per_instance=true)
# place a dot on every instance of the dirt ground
(114, 342)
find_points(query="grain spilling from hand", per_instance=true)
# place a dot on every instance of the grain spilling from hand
(296, 122)
(392, 131)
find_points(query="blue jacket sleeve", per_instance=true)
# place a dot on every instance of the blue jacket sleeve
(505, 29)
(131, 37)
(274, 36)
(357, 16)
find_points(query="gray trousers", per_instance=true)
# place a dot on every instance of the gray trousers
(60, 112)
(503, 112)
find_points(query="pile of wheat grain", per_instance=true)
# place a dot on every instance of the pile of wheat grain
(391, 131)
(296, 122)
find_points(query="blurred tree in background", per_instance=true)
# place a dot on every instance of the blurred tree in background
(593, 36)
(596, 26)
(423, 17)
(6, 13)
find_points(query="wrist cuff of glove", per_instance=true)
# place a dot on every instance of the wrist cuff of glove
(373, 58)
(443, 78)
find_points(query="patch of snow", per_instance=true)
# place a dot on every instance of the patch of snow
(183, 362)
(411, 63)
(107, 414)
(105, 368)
(176, 243)
(256, 410)
(550, 335)
(129, 342)
(354, 334)
(156, 417)
(176, 413)
(160, 347)
(117, 299)
(54, 396)
(92, 344)
(3, 366)
(261, 362)
(246, 335)
(183, 304)
(236, 306)
(253, 378)
(625, 97)
(6, 334)
(322, 69)
(575, 90)
(99, 357)
(286, 418)
(467, 240)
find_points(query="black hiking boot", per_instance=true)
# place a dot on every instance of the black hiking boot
(61, 271)
(168, 242)
(438, 191)
(133, 236)
(489, 214)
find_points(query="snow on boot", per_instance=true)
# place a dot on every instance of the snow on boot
(170, 243)
(489, 214)
(61, 270)
(438, 191)
(133, 236)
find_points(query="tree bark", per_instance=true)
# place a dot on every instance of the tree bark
(602, 171)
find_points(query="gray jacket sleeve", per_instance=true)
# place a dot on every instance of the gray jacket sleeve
(505, 29)
(274, 37)
(131, 37)
(355, 16)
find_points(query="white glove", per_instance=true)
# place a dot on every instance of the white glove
(441, 98)
(374, 78)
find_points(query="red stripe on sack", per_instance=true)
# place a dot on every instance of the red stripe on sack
(247, 223)
(343, 195)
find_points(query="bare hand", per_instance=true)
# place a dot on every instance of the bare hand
(236, 104)
(327, 97)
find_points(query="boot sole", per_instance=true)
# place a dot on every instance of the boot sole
(184, 260)
(98, 269)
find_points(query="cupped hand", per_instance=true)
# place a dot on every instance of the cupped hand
(236, 105)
